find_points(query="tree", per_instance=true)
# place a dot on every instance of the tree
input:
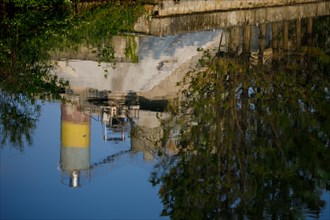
(254, 141)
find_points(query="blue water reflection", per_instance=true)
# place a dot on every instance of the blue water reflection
(31, 186)
(78, 162)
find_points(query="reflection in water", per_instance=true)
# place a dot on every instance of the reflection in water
(75, 145)
(123, 119)
(264, 42)
(254, 140)
(178, 20)
(159, 58)
(18, 119)
(249, 138)
(24, 70)
(34, 31)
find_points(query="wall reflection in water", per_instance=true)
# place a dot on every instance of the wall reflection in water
(123, 120)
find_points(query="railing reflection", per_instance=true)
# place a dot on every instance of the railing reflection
(267, 41)
(122, 121)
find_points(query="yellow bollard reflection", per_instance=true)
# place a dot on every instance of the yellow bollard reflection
(75, 146)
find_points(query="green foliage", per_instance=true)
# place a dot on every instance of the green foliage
(131, 49)
(254, 140)
(95, 28)
(34, 3)
(30, 31)
(19, 115)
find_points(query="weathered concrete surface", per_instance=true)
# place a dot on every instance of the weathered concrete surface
(161, 26)
(163, 61)
(119, 44)
(159, 58)
(169, 7)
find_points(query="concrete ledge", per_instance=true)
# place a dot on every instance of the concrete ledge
(169, 7)
(184, 23)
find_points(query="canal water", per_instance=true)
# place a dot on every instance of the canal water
(214, 115)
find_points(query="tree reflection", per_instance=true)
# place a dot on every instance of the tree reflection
(24, 71)
(34, 31)
(254, 141)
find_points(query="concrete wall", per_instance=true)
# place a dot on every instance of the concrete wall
(119, 44)
(163, 61)
(169, 7)
(158, 58)
(215, 20)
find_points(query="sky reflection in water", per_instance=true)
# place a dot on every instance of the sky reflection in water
(239, 137)
(31, 185)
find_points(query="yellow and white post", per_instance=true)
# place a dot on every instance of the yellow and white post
(75, 145)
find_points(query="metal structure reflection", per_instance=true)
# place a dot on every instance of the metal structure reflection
(122, 120)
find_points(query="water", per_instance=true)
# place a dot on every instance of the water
(31, 186)
(194, 117)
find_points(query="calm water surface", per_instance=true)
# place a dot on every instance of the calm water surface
(185, 120)
(31, 186)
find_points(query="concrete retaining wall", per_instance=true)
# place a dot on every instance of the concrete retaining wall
(170, 7)
(217, 20)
